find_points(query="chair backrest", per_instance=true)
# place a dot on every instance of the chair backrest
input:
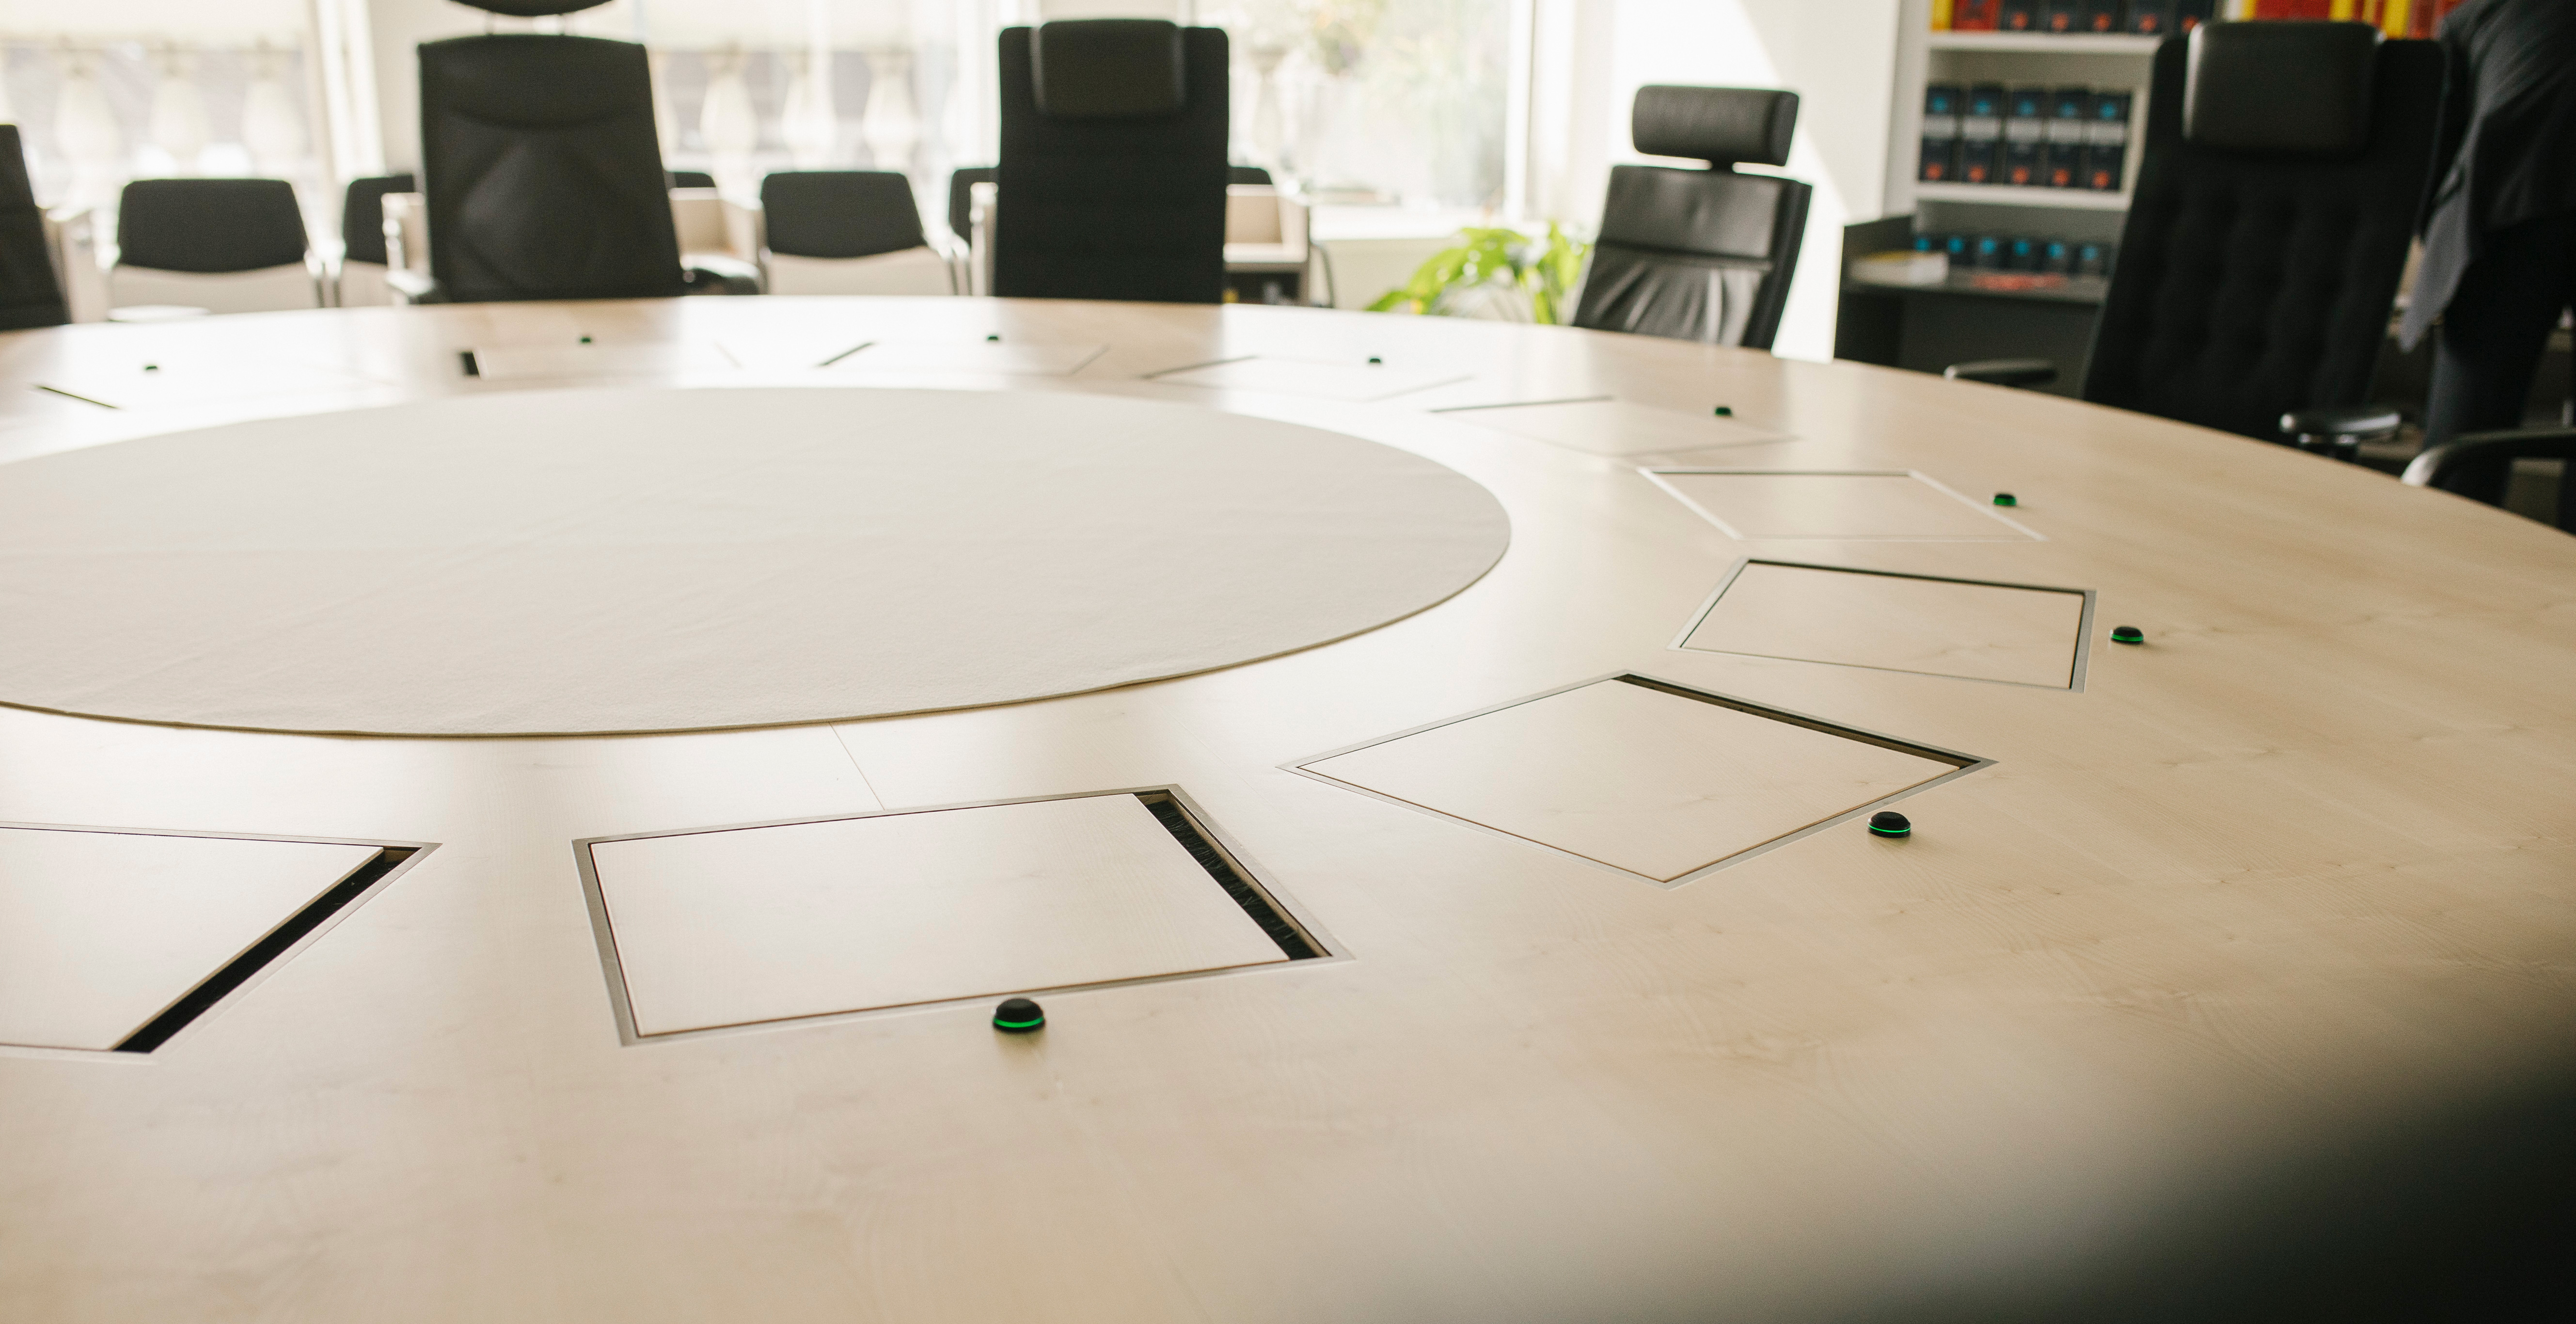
(2284, 167)
(961, 196)
(840, 213)
(1702, 255)
(1113, 172)
(31, 291)
(209, 225)
(688, 179)
(1239, 174)
(362, 216)
(542, 169)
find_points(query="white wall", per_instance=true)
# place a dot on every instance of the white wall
(1839, 56)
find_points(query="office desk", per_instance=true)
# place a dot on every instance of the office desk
(2291, 882)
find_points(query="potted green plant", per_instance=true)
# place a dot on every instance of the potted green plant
(1498, 273)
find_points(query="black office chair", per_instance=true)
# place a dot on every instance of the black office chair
(848, 232)
(31, 291)
(2480, 466)
(174, 237)
(840, 213)
(2285, 165)
(689, 179)
(961, 188)
(1702, 255)
(1113, 166)
(543, 172)
(362, 216)
(961, 183)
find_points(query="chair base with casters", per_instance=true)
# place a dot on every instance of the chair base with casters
(2480, 465)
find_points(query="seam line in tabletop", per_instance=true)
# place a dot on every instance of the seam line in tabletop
(2083, 623)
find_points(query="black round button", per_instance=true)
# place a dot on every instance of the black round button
(1018, 1016)
(2127, 634)
(1724, 411)
(1376, 362)
(2006, 499)
(989, 339)
(1889, 823)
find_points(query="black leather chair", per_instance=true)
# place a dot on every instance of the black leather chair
(2480, 466)
(1702, 255)
(362, 216)
(542, 168)
(848, 232)
(840, 213)
(961, 189)
(2285, 165)
(31, 291)
(1113, 168)
(228, 245)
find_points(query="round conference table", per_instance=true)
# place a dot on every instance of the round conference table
(2195, 947)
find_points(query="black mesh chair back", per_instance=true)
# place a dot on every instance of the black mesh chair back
(31, 291)
(689, 179)
(543, 171)
(362, 216)
(1113, 166)
(2285, 165)
(840, 213)
(1235, 174)
(1702, 255)
(209, 225)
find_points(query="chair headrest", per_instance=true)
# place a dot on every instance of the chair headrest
(1719, 125)
(1108, 68)
(2285, 87)
(532, 8)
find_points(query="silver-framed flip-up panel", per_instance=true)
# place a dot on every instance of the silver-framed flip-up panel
(725, 929)
(1889, 620)
(1657, 781)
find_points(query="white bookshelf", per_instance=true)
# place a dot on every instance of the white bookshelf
(2114, 60)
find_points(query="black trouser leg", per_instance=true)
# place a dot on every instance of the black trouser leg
(2489, 343)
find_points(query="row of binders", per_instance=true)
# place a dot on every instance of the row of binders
(2026, 137)
(2150, 18)
(1987, 252)
(2157, 18)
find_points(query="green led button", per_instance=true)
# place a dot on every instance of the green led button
(1724, 411)
(2006, 499)
(2127, 634)
(1889, 823)
(1018, 1016)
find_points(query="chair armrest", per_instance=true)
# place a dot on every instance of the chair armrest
(412, 286)
(2330, 421)
(2437, 465)
(2004, 372)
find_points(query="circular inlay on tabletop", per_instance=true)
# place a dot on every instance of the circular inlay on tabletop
(651, 559)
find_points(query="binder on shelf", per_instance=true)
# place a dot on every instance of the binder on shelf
(2022, 253)
(1973, 15)
(2069, 108)
(1988, 251)
(2064, 16)
(2019, 16)
(2106, 142)
(2189, 14)
(1940, 15)
(2057, 257)
(2152, 18)
(2093, 259)
(1941, 102)
(1981, 131)
(2025, 136)
(2101, 16)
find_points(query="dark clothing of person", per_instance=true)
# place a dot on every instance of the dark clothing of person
(2500, 229)
(2499, 320)
(2509, 138)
